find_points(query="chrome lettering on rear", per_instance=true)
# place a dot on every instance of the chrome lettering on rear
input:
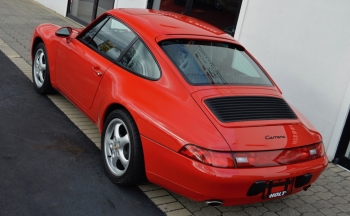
(274, 137)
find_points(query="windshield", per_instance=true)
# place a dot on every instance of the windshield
(214, 63)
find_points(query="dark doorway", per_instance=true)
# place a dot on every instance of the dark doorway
(342, 156)
(220, 13)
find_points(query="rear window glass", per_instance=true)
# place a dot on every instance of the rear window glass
(214, 63)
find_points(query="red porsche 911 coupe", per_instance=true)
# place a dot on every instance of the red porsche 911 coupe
(181, 104)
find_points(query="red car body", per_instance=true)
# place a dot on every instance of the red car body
(170, 113)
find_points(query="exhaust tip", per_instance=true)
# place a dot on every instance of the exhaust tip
(214, 203)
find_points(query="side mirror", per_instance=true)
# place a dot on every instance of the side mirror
(64, 32)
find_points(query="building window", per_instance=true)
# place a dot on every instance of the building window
(221, 13)
(103, 6)
(84, 11)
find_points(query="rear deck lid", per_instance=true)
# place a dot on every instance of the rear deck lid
(254, 118)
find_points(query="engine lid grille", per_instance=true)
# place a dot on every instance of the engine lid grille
(249, 108)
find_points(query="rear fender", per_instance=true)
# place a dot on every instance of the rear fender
(163, 110)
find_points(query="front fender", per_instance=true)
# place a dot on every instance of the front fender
(45, 33)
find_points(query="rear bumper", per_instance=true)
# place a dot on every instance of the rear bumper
(200, 182)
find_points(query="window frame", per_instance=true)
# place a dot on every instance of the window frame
(117, 61)
(140, 75)
(86, 30)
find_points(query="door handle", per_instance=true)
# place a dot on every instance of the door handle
(97, 71)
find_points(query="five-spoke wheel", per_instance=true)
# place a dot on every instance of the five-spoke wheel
(117, 147)
(121, 149)
(39, 67)
(40, 70)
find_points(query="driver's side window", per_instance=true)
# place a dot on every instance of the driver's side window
(110, 37)
(87, 37)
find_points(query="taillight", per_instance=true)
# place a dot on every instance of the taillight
(320, 149)
(253, 159)
(276, 157)
(212, 158)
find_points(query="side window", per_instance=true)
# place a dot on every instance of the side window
(139, 60)
(111, 39)
(87, 37)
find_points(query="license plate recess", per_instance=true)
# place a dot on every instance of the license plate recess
(278, 188)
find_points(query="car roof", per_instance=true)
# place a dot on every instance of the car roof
(153, 23)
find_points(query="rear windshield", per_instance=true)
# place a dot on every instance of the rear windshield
(214, 63)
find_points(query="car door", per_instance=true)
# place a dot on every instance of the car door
(82, 62)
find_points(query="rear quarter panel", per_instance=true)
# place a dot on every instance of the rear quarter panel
(163, 110)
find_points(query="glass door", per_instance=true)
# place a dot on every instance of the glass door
(84, 11)
(177, 6)
(342, 156)
(103, 6)
(221, 13)
(81, 10)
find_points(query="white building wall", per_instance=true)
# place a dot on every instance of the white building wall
(55, 5)
(305, 47)
(130, 4)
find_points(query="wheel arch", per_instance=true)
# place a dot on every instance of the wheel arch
(109, 109)
(36, 41)
(137, 174)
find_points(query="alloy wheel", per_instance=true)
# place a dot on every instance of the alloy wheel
(117, 147)
(39, 68)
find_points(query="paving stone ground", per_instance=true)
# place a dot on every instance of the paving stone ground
(330, 195)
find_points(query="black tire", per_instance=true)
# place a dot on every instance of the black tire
(122, 149)
(41, 70)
